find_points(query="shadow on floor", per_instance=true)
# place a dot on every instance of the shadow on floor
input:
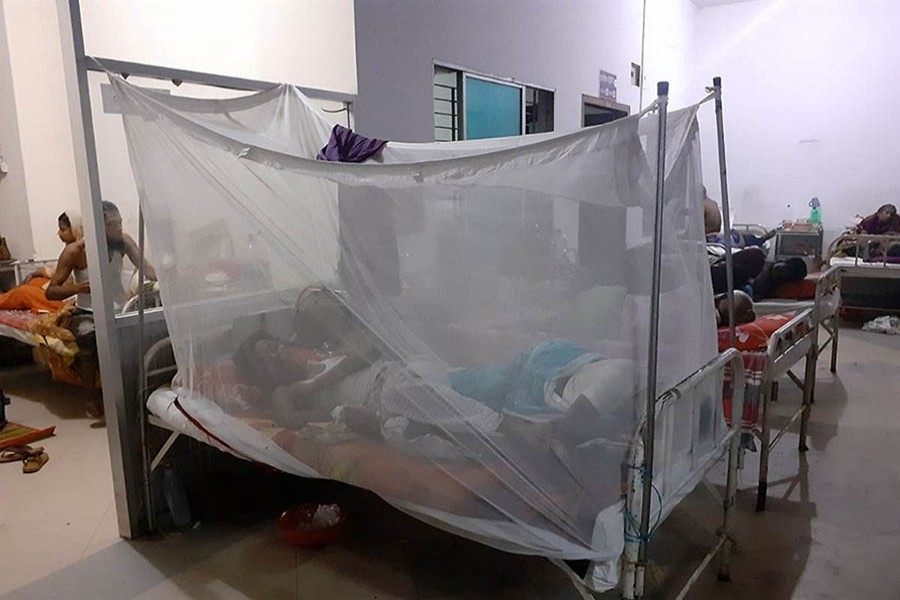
(32, 383)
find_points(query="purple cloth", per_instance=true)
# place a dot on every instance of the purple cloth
(873, 226)
(346, 146)
(891, 260)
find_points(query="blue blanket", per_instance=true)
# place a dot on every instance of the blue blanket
(521, 385)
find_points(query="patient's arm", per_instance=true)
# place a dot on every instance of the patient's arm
(304, 389)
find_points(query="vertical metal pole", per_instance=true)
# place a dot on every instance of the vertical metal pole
(764, 442)
(809, 383)
(662, 90)
(734, 456)
(142, 376)
(85, 153)
(835, 329)
(726, 209)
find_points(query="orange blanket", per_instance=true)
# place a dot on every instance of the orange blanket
(29, 296)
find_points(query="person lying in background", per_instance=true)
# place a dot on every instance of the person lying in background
(747, 264)
(712, 220)
(775, 274)
(743, 239)
(743, 309)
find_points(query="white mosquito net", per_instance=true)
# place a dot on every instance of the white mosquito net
(461, 328)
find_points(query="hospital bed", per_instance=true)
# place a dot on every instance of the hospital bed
(869, 265)
(826, 304)
(795, 340)
(752, 229)
(681, 463)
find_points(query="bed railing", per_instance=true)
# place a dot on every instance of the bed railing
(790, 342)
(828, 311)
(863, 245)
(795, 340)
(686, 399)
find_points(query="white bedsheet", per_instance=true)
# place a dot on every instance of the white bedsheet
(18, 334)
(239, 439)
(776, 306)
(849, 261)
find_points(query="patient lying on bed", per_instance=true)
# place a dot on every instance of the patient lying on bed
(365, 386)
(743, 309)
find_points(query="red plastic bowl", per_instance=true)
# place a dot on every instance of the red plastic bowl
(296, 527)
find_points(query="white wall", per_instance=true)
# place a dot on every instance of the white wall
(305, 42)
(549, 43)
(809, 87)
(668, 47)
(43, 116)
(15, 223)
(276, 40)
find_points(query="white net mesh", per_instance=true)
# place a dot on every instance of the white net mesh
(460, 328)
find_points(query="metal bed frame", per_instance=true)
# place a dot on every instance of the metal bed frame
(826, 315)
(797, 339)
(864, 265)
(753, 229)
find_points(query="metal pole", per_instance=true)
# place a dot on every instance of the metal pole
(765, 446)
(726, 208)
(108, 350)
(662, 90)
(142, 376)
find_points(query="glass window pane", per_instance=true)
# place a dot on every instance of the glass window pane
(492, 109)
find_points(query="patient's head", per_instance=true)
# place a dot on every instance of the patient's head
(789, 271)
(886, 213)
(743, 309)
(269, 363)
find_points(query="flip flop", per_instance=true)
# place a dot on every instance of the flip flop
(18, 453)
(33, 463)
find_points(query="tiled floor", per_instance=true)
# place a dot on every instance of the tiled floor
(832, 529)
(64, 512)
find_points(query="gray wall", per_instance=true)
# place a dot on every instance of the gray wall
(559, 44)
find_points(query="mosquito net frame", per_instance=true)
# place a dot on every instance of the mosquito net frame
(467, 354)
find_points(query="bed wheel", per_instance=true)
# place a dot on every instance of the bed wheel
(723, 577)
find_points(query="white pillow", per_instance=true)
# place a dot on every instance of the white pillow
(607, 384)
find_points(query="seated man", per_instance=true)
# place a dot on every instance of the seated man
(774, 274)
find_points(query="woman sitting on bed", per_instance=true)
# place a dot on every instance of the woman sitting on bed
(884, 222)
(31, 295)
(369, 386)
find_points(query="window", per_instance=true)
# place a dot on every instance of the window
(447, 86)
(470, 106)
(597, 111)
(538, 110)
